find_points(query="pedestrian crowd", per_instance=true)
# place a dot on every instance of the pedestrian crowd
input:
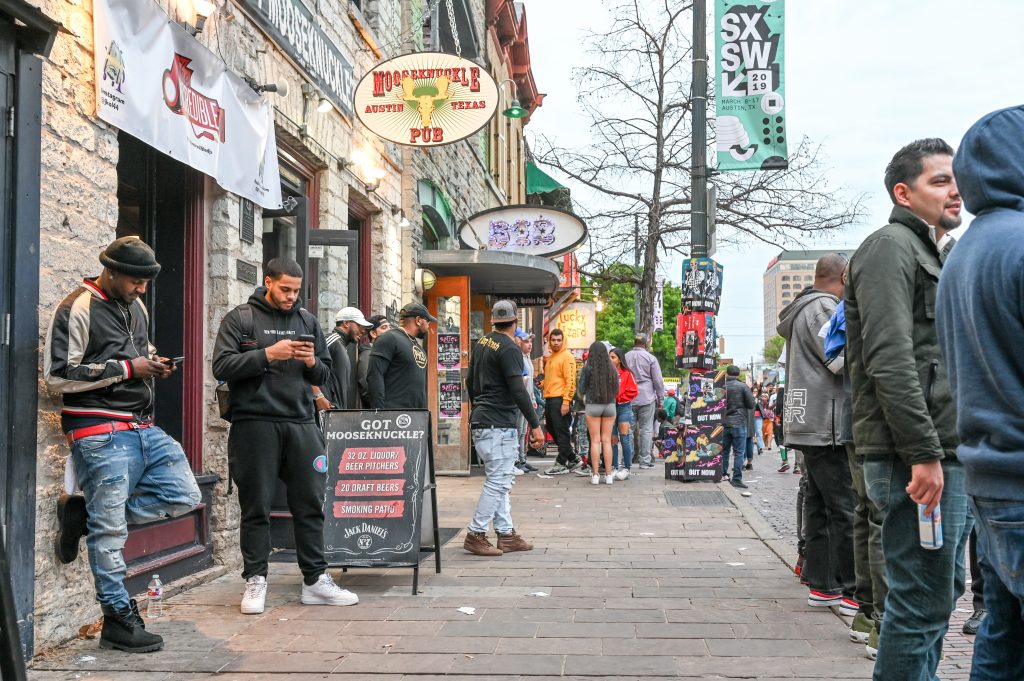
(902, 407)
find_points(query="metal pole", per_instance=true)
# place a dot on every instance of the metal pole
(636, 270)
(698, 163)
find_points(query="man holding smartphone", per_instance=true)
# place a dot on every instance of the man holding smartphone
(272, 352)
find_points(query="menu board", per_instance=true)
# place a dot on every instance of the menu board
(448, 351)
(375, 470)
(449, 400)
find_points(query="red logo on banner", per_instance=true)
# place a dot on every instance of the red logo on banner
(205, 114)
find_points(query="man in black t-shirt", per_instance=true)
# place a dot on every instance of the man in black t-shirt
(397, 375)
(496, 391)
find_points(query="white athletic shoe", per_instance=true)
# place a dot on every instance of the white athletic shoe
(609, 479)
(595, 480)
(326, 592)
(517, 471)
(622, 473)
(255, 595)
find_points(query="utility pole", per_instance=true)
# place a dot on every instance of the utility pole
(699, 107)
(636, 270)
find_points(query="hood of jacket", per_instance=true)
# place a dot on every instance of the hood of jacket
(988, 168)
(793, 310)
(258, 299)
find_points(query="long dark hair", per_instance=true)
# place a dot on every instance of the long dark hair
(622, 358)
(602, 378)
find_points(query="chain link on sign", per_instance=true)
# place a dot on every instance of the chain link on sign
(455, 30)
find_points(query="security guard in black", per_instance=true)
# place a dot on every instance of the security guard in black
(495, 375)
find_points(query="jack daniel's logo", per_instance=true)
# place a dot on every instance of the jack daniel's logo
(366, 528)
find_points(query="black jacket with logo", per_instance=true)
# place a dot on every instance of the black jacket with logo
(90, 344)
(261, 389)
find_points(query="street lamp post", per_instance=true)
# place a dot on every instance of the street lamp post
(698, 108)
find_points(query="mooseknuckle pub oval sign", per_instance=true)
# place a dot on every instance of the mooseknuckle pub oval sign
(534, 230)
(426, 99)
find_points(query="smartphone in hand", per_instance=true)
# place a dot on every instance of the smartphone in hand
(307, 338)
(173, 361)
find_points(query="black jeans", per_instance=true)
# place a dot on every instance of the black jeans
(558, 426)
(977, 580)
(829, 503)
(259, 453)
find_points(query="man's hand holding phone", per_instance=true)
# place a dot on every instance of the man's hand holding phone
(144, 367)
(304, 349)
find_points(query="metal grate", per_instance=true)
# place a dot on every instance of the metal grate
(709, 498)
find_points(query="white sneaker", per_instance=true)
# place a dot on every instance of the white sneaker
(255, 595)
(622, 473)
(326, 592)
(516, 470)
(609, 479)
(595, 480)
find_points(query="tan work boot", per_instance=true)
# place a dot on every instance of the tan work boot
(476, 543)
(513, 542)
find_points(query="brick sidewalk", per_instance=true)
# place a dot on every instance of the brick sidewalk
(774, 497)
(636, 589)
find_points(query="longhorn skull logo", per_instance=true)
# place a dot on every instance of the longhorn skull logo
(426, 98)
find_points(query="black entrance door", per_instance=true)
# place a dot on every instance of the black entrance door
(7, 92)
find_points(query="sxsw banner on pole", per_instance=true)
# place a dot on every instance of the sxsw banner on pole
(159, 84)
(750, 85)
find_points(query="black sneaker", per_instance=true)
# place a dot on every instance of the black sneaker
(749, 466)
(973, 622)
(528, 467)
(573, 465)
(737, 483)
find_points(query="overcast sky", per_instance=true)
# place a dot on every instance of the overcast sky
(862, 78)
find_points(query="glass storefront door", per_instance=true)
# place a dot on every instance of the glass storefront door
(447, 361)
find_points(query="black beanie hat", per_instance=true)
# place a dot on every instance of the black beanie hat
(130, 255)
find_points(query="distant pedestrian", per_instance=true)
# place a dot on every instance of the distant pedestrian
(396, 377)
(980, 298)
(671, 405)
(600, 390)
(342, 391)
(624, 415)
(904, 416)
(650, 387)
(380, 325)
(559, 391)
(498, 395)
(758, 418)
(524, 341)
(738, 400)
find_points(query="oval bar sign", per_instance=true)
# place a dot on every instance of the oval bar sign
(426, 99)
(530, 229)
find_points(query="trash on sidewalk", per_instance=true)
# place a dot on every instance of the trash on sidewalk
(746, 494)
(466, 610)
(646, 534)
(539, 594)
(734, 564)
(84, 658)
(541, 475)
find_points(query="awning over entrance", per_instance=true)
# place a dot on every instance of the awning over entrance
(539, 182)
(494, 271)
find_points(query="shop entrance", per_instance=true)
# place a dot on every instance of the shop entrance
(447, 361)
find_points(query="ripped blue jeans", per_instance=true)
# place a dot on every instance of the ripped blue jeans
(132, 476)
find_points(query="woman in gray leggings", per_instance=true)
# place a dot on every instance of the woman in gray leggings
(599, 391)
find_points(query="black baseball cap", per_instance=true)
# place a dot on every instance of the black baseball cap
(416, 310)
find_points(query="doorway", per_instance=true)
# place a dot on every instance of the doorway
(447, 361)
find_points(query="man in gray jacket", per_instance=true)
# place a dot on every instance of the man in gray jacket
(813, 424)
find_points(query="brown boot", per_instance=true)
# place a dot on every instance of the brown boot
(476, 543)
(513, 542)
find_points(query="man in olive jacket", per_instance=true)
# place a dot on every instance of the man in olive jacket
(904, 419)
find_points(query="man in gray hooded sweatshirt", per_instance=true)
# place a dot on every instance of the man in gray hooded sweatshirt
(813, 424)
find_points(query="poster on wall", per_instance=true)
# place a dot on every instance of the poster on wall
(449, 351)
(426, 99)
(695, 341)
(159, 84)
(750, 103)
(700, 444)
(375, 464)
(702, 285)
(449, 400)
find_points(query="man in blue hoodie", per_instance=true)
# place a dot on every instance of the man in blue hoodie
(981, 327)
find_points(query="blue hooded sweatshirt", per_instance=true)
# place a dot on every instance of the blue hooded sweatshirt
(980, 308)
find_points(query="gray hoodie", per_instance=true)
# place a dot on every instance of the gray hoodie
(814, 394)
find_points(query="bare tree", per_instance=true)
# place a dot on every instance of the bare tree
(638, 96)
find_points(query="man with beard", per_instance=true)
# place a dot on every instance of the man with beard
(343, 389)
(270, 371)
(379, 325)
(904, 417)
(396, 377)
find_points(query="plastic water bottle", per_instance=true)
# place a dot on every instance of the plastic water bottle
(155, 598)
(929, 526)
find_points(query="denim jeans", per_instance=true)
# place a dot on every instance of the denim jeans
(644, 442)
(734, 438)
(758, 434)
(829, 504)
(131, 476)
(497, 450)
(623, 414)
(923, 585)
(997, 650)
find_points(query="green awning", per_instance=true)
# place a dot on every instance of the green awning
(539, 182)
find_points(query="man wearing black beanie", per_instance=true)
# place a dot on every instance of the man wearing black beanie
(98, 356)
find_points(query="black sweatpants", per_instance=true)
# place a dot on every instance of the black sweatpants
(558, 426)
(259, 453)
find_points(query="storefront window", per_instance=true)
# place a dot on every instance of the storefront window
(280, 235)
(449, 374)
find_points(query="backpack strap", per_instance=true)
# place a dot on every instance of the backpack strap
(245, 313)
(309, 321)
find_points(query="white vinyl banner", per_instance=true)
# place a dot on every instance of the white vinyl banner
(158, 83)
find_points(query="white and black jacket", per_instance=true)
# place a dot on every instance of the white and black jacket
(90, 344)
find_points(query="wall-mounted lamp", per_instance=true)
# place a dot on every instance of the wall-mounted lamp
(203, 9)
(280, 88)
(370, 188)
(324, 106)
(404, 224)
(516, 110)
(310, 91)
(423, 280)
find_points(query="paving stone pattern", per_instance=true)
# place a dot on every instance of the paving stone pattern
(773, 495)
(635, 590)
